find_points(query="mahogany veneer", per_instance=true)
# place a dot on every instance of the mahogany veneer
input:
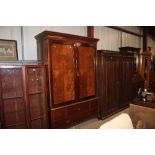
(23, 97)
(71, 65)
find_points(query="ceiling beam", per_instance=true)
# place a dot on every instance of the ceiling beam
(90, 31)
(123, 30)
(145, 32)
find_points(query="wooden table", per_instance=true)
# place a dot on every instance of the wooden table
(150, 104)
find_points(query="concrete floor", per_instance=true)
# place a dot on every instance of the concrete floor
(95, 123)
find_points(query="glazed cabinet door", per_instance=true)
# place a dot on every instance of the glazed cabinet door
(86, 71)
(62, 69)
(12, 105)
(36, 96)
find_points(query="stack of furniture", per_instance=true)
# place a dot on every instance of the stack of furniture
(23, 96)
(71, 67)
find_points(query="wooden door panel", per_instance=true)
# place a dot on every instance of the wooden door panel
(110, 86)
(37, 99)
(11, 80)
(39, 123)
(14, 113)
(12, 98)
(36, 80)
(86, 58)
(78, 112)
(126, 82)
(63, 70)
(37, 105)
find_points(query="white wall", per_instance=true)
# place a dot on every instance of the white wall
(26, 43)
(12, 33)
(30, 47)
(111, 39)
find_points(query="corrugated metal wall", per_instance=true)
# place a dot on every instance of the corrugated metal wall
(111, 39)
(12, 33)
(26, 43)
(30, 47)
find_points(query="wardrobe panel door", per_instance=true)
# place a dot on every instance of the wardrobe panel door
(86, 61)
(36, 78)
(12, 98)
(126, 80)
(63, 71)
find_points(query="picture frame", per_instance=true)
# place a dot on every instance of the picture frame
(8, 50)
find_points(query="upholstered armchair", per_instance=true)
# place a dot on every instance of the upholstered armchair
(142, 117)
(139, 117)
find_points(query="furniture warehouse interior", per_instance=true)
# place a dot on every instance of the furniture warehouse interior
(81, 77)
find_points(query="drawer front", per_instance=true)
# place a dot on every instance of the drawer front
(94, 108)
(74, 114)
(79, 112)
(59, 118)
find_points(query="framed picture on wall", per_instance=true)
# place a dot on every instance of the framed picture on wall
(8, 50)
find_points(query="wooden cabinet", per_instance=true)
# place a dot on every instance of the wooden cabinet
(12, 105)
(114, 74)
(72, 114)
(108, 81)
(71, 64)
(23, 97)
(126, 75)
(36, 96)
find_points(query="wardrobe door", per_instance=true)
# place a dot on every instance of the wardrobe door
(111, 83)
(86, 71)
(12, 98)
(62, 73)
(126, 74)
(36, 95)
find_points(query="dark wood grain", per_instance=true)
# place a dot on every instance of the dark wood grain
(12, 106)
(127, 71)
(114, 74)
(71, 65)
(36, 99)
(86, 57)
(62, 60)
(23, 97)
